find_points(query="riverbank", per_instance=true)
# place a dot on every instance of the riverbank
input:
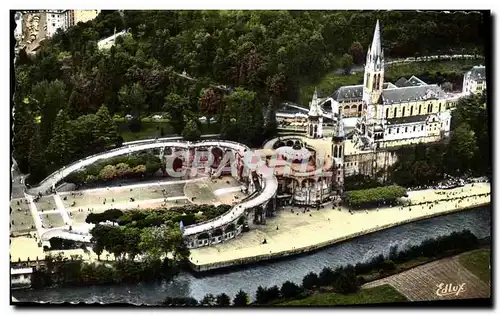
(303, 232)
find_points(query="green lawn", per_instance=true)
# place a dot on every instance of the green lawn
(332, 81)
(478, 262)
(381, 294)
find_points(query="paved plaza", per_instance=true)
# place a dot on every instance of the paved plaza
(300, 230)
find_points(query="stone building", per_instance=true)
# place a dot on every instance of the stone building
(474, 80)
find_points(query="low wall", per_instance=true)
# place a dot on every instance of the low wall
(312, 248)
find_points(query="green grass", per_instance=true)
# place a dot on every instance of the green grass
(477, 262)
(382, 294)
(332, 81)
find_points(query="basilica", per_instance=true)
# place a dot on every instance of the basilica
(405, 112)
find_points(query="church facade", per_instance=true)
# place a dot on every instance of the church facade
(405, 112)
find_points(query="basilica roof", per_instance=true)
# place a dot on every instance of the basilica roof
(413, 81)
(411, 94)
(406, 120)
(349, 93)
(478, 73)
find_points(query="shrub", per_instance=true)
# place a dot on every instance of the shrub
(180, 301)
(290, 290)
(241, 299)
(222, 300)
(310, 281)
(326, 276)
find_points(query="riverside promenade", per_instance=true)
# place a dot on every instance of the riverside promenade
(291, 233)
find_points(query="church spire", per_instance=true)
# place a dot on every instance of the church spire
(376, 48)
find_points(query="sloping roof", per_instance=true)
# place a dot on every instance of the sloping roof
(389, 85)
(401, 82)
(406, 120)
(478, 73)
(411, 93)
(413, 81)
(349, 93)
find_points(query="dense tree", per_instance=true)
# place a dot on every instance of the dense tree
(23, 130)
(356, 51)
(290, 290)
(223, 300)
(208, 300)
(175, 105)
(241, 299)
(191, 131)
(62, 144)
(133, 99)
(310, 281)
(346, 63)
(462, 148)
(49, 98)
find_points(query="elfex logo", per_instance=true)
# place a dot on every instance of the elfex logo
(449, 289)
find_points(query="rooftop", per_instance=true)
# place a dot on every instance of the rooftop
(411, 94)
(349, 93)
(406, 120)
(478, 73)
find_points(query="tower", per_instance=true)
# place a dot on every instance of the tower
(315, 118)
(374, 74)
(338, 156)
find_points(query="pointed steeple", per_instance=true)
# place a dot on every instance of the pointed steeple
(314, 109)
(376, 48)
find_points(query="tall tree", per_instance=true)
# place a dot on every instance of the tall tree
(241, 299)
(36, 157)
(347, 63)
(191, 131)
(62, 144)
(133, 99)
(175, 105)
(23, 130)
(356, 51)
(50, 97)
(106, 130)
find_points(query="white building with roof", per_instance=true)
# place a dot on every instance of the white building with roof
(474, 80)
(391, 114)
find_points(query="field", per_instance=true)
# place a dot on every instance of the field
(52, 220)
(46, 203)
(380, 294)
(421, 283)
(93, 198)
(477, 262)
(205, 191)
(332, 81)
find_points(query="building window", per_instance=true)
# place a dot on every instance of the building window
(422, 128)
(439, 107)
(414, 128)
(406, 129)
(397, 130)
(411, 111)
(53, 24)
(390, 130)
(403, 114)
(420, 109)
(395, 111)
(387, 113)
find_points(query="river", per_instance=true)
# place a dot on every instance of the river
(478, 221)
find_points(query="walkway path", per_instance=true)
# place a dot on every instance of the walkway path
(36, 217)
(128, 187)
(62, 210)
(301, 232)
(228, 190)
(421, 283)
